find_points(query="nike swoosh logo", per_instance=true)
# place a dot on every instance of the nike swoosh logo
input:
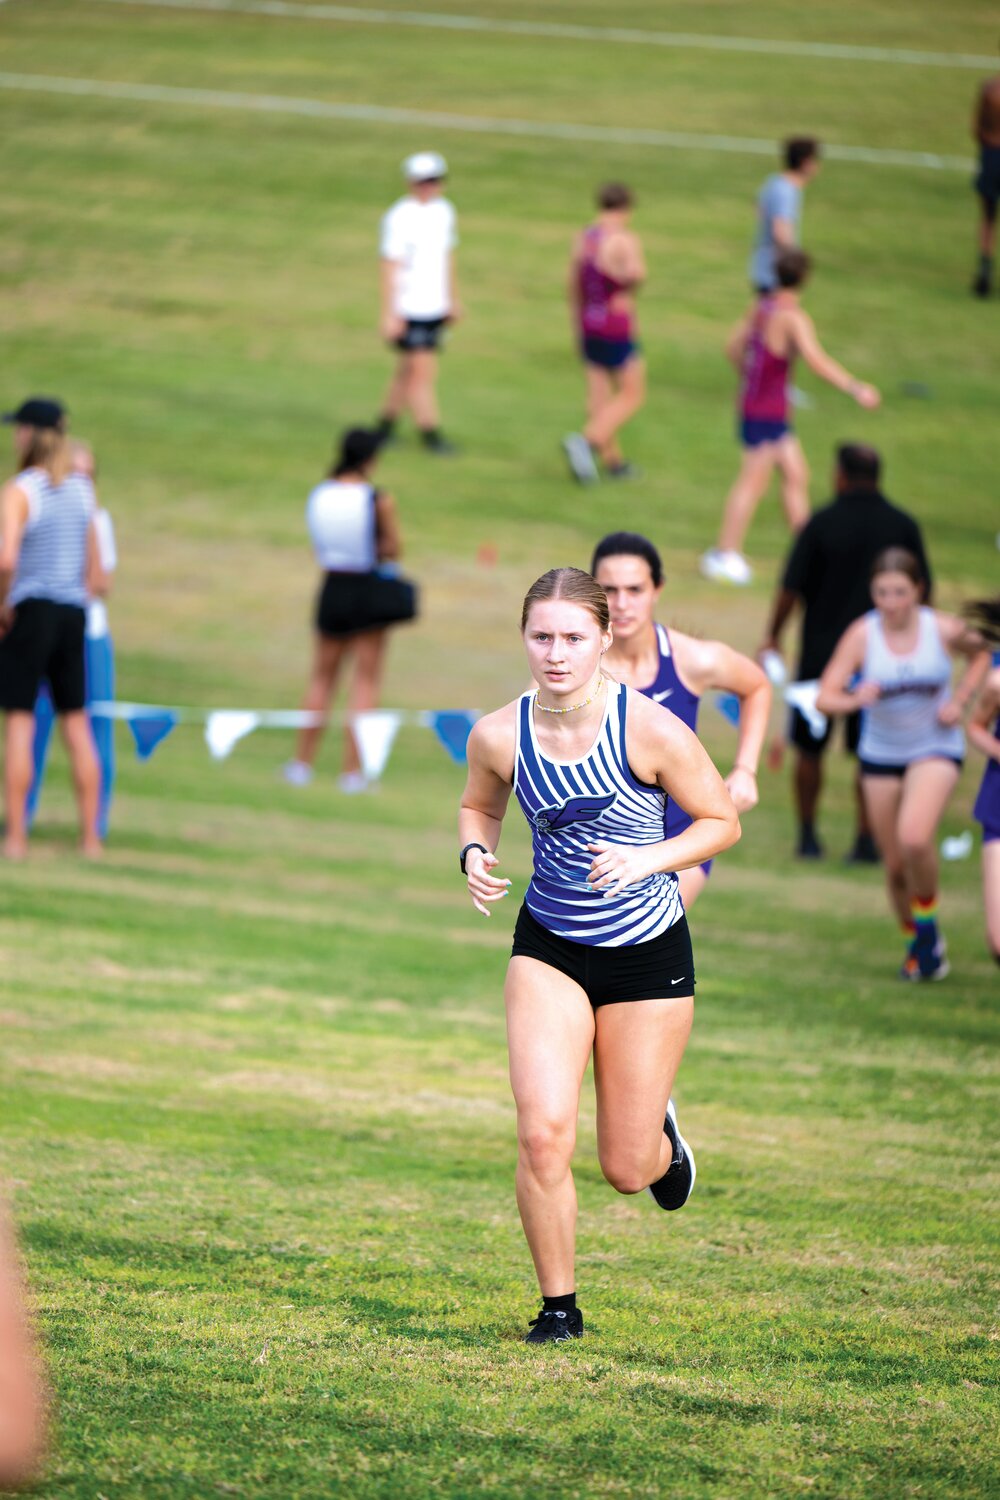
(659, 697)
(679, 981)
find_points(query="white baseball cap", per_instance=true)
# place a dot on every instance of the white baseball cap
(424, 166)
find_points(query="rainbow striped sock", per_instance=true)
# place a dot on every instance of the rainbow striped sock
(924, 915)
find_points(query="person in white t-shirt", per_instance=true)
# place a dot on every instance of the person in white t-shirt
(99, 662)
(419, 297)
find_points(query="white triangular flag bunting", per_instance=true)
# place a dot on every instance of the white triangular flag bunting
(225, 727)
(803, 695)
(373, 734)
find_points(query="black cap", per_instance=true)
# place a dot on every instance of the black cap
(37, 411)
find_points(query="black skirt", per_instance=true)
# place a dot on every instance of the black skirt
(349, 603)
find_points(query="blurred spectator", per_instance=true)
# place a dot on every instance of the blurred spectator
(99, 663)
(419, 295)
(355, 534)
(779, 210)
(828, 575)
(986, 130)
(49, 569)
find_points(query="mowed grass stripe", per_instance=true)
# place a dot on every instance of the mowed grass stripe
(321, 109)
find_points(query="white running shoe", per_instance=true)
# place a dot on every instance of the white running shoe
(725, 567)
(353, 782)
(580, 457)
(297, 773)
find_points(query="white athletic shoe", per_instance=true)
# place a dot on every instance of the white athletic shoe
(725, 567)
(580, 457)
(353, 782)
(297, 773)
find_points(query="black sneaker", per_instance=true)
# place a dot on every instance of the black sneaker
(436, 442)
(809, 845)
(673, 1189)
(865, 851)
(555, 1327)
(981, 285)
(623, 471)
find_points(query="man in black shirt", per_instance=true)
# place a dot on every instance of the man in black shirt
(828, 573)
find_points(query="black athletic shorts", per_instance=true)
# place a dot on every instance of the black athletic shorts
(640, 971)
(803, 738)
(45, 643)
(884, 768)
(987, 180)
(422, 333)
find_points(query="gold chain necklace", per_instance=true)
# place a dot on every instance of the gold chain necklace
(572, 707)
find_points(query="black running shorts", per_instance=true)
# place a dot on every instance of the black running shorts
(45, 643)
(639, 971)
(422, 333)
(801, 735)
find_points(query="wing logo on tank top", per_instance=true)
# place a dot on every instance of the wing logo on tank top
(573, 810)
(662, 697)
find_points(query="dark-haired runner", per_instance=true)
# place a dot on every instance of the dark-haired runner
(984, 732)
(601, 961)
(606, 270)
(677, 670)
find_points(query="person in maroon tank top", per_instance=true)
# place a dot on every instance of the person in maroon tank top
(763, 347)
(606, 270)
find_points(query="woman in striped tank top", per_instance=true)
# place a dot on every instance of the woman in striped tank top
(602, 926)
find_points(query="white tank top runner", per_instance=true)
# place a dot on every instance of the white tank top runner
(341, 519)
(902, 725)
(570, 804)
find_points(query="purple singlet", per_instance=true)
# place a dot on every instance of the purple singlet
(598, 319)
(667, 688)
(764, 391)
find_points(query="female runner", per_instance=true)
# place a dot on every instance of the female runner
(677, 670)
(602, 926)
(911, 747)
(984, 732)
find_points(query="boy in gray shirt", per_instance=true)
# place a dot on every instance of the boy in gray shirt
(779, 210)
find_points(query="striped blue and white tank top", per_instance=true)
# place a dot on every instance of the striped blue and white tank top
(52, 562)
(570, 804)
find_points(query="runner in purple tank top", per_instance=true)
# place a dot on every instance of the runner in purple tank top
(984, 733)
(676, 670)
(763, 348)
(606, 270)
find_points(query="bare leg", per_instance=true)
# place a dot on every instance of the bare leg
(692, 882)
(794, 473)
(808, 785)
(864, 827)
(550, 1032)
(600, 392)
(327, 661)
(746, 494)
(19, 738)
(637, 1052)
(422, 393)
(396, 397)
(883, 797)
(991, 895)
(86, 777)
(626, 401)
(366, 684)
(927, 789)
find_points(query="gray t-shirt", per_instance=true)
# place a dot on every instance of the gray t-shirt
(778, 199)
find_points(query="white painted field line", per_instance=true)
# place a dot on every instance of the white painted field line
(552, 130)
(567, 31)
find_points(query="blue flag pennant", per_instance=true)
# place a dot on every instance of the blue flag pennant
(452, 727)
(149, 730)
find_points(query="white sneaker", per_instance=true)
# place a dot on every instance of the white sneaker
(353, 782)
(580, 457)
(297, 773)
(725, 567)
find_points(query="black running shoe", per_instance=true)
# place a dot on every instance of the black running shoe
(981, 285)
(555, 1327)
(623, 471)
(865, 851)
(673, 1189)
(809, 845)
(436, 442)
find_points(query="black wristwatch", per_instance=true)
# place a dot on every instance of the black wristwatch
(461, 857)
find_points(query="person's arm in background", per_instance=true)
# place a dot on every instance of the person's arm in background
(915, 544)
(980, 726)
(793, 588)
(736, 343)
(22, 1391)
(13, 518)
(962, 639)
(391, 325)
(802, 333)
(388, 541)
(455, 309)
(573, 285)
(835, 697)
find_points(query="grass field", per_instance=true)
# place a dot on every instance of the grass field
(253, 1101)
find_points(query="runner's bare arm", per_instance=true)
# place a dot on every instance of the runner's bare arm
(847, 659)
(802, 336)
(490, 753)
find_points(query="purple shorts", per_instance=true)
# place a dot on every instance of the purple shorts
(757, 430)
